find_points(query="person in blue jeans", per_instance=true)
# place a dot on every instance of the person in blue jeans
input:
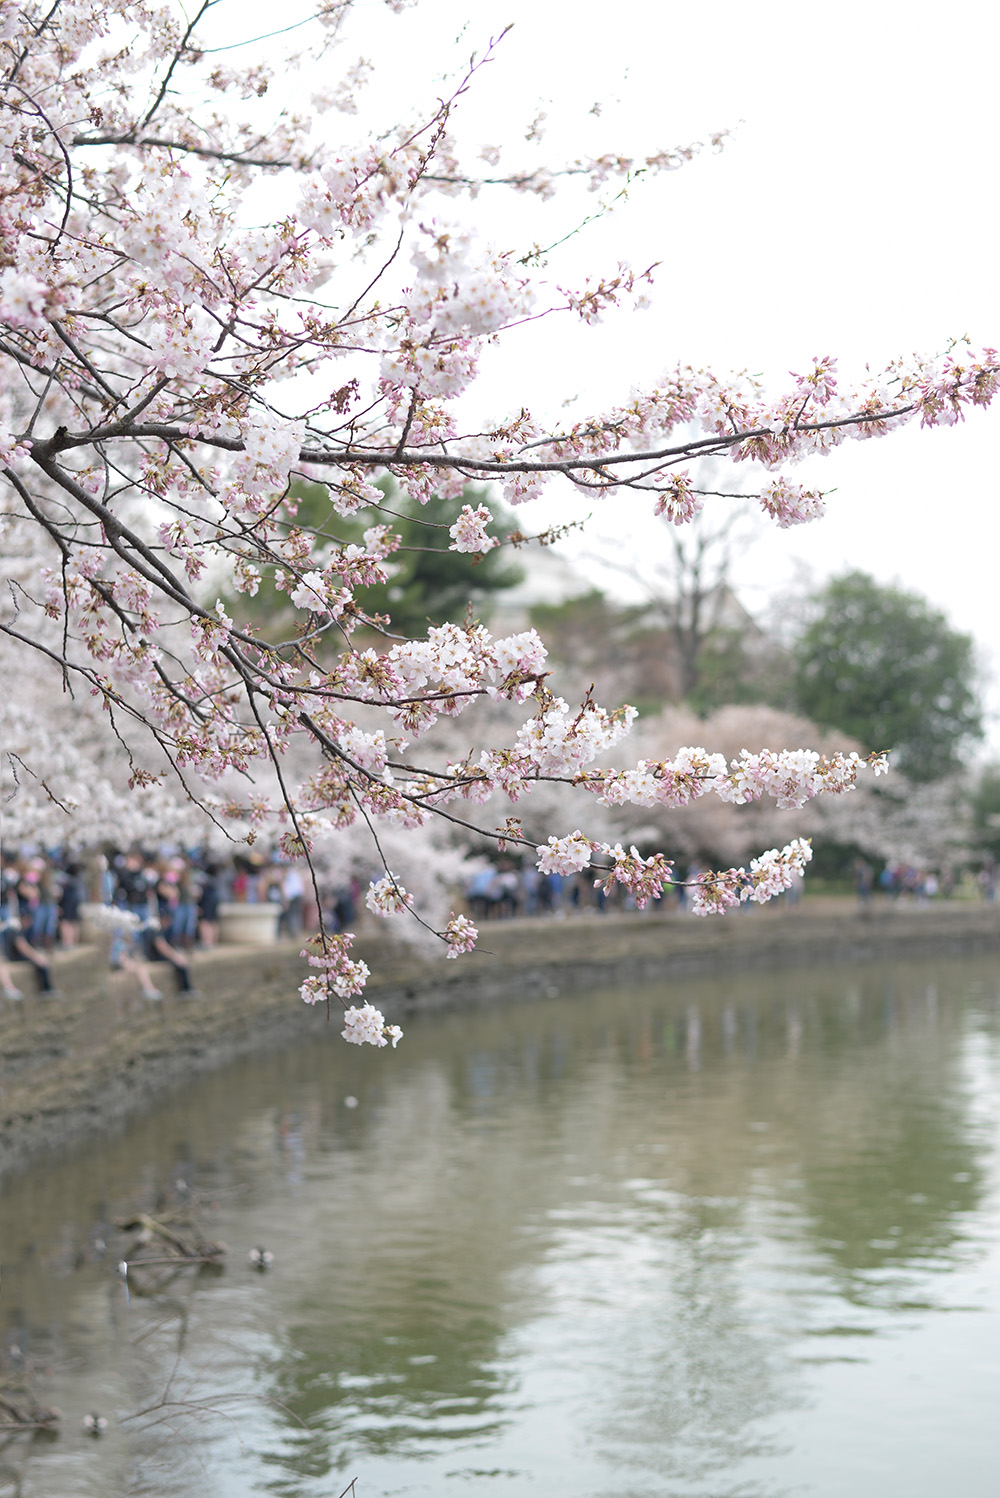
(17, 948)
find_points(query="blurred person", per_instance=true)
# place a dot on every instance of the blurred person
(529, 879)
(508, 893)
(127, 953)
(17, 948)
(292, 889)
(133, 884)
(208, 905)
(168, 901)
(185, 930)
(45, 932)
(156, 948)
(71, 897)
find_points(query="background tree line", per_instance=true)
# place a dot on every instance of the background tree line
(874, 664)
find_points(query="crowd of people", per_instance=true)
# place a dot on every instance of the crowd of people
(919, 883)
(160, 906)
(504, 890)
(157, 907)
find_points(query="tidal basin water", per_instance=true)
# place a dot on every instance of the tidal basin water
(728, 1238)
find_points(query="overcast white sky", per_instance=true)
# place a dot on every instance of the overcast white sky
(853, 212)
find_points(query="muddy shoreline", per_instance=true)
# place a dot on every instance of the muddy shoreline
(83, 1063)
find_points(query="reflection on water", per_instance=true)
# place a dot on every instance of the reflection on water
(706, 1241)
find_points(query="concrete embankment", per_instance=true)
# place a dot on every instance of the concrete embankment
(84, 1061)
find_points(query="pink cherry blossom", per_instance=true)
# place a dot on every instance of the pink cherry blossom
(366, 1026)
(460, 934)
(565, 855)
(469, 531)
(386, 897)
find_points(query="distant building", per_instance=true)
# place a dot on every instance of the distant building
(549, 578)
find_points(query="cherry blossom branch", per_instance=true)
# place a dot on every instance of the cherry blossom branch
(146, 446)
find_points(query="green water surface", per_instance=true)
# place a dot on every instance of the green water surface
(730, 1238)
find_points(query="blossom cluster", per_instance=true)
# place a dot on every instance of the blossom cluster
(460, 935)
(677, 782)
(560, 742)
(387, 897)
(469, 531)
(644, 878)
(24, 299)
(791, 504)
(462, 289)
(681, 502)
(794, 776)
(365, 1025)
(767, 876)
(565, 855)
(338, 973)
(791, 776)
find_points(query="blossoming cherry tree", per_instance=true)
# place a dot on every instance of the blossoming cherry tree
(171, 369)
